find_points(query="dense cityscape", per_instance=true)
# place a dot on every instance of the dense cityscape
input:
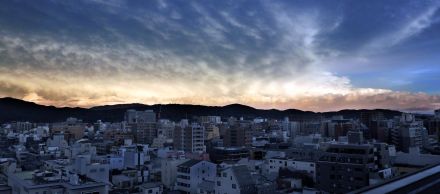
(146, 153)
(219, 96)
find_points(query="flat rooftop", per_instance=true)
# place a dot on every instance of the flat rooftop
(426, 180)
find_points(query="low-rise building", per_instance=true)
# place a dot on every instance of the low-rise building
(53, 182)
(193, 172)
(235, 179)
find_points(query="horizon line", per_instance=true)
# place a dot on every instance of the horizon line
(139, 103)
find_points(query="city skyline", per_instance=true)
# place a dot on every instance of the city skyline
(308, 55)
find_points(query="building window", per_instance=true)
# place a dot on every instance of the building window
(234, 186)
(219, 183)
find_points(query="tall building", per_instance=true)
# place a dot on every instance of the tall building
(165, 128)
(74, 128)
(238, 135)
(211, 131)
(337, 127)
(210, 119)
(345, 167)
(143, 125)
(433, 124)
(144, 132)
(291, 127)
(355, 137)
(190, 138)
(408, 133)
(371, 119)
(133, 116)
(368, 117)
(437, 113)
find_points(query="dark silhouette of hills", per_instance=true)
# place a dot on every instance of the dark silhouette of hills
(12, 109)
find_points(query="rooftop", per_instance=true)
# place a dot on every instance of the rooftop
(426, 180)
(414, 159)
(27, 179)
(189, 163)
(151, 185)
(243, 175)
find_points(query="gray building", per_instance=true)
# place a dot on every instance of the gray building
(192, 173)
(408, 133)
(235, 179)
(345, 167)
(143, 125)
(190, 138)
(134, 116)
(30, 182)
(144, 133)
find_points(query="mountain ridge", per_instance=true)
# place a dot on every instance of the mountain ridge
(12, 109)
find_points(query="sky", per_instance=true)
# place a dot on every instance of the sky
(309, 55)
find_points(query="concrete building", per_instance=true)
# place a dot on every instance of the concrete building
(165, 128)
(238, 135)
(355, 137)
(408, 133)
(437, 113)
(82, 165)
(273, 165)
(151, 188)
(133, 116)
(211, 131)
(190, 138)
(169, 171)
(422, 181)
(73, 128)
(193, 172)
(346, 167)
(210, 119)
(336, 127)
(53, 182)
(291, 127)
(228, 154)
(371, 120)
(142, 124)
(134, 155)
(144, 133)
(235, 179)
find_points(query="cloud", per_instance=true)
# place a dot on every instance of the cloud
(409, 29)
(268, 55)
